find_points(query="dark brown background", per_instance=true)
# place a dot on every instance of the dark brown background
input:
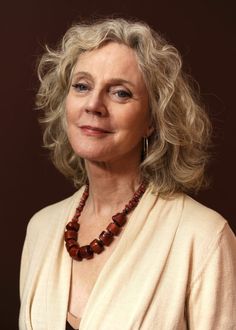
(203, 31)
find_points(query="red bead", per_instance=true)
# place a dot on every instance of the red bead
(96, 246)
(72, 225)
(70, 234)
(71, 243)
(74, 253)
(131, 204)
(114, 228)
(119, 219)
(106, 238)
(86, 252)
(127, 209)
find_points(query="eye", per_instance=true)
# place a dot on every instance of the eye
(80, 87)
(122, 94)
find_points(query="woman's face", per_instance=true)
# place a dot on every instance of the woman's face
(107, 106)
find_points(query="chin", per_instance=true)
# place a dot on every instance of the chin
(92, 155)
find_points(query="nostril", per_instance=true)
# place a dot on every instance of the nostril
(93, 112)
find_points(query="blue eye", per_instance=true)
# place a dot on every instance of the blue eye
(123, 94)
(80, 87)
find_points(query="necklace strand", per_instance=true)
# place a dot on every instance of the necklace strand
(106, 237)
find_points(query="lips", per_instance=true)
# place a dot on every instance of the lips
(94, 129)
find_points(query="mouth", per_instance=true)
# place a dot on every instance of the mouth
(94, 130)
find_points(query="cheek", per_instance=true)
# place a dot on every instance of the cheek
(67, 109)
(137, 122)
(71, 110)
(68, 116)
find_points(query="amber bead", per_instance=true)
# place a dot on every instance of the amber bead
(96, 246)
(70, 243)
(119, 219)
(86, 252)
(132, 204)
(106, 238)
(70, 234)
(72, 225)
(114, 228)
(74, 253)
(127, 209)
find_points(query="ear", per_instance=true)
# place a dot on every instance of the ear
(149, 131)
(150, 125)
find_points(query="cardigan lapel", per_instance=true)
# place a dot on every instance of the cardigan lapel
(119, 293)
(59, 277)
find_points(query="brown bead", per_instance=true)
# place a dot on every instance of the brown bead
(70, 234)
(74, 253)
(86, 252)
(96, 246)
(79, 209)
(106, 238)
(132, 204)
(72, 225)
(119, 219)
(114, 228)
(71, 243)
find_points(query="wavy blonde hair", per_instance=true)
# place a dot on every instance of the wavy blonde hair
(178, 147)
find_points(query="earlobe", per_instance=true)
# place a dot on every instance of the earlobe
(150, 130)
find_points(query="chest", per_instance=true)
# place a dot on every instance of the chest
(83, 279)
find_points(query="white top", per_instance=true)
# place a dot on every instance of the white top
(174, 268)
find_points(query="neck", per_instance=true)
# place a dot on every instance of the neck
(109, 188)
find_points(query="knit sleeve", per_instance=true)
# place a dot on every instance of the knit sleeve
(24, 267)
(212, 298)
(31, 234)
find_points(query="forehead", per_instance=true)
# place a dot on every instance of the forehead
(112, 59)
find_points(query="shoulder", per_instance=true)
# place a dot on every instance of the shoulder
(201, 236)
(200, 219)
(195, 211)
(198, 228)
(53, 215)
(187, 215)
(186, 212)
(202, 233)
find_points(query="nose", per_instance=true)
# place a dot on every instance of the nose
(95, 104)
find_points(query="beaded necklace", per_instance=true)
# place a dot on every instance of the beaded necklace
(106, 237)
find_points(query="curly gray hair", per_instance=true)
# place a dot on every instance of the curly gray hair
(177, 148)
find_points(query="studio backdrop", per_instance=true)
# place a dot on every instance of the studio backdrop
(204, 33)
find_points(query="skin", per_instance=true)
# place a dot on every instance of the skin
(107, 118)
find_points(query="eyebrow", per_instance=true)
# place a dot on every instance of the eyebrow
(82, 74)
(115, 81)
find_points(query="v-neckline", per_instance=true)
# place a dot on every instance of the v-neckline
(106, 264)
(73, 321)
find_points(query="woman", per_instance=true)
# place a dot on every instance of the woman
(129, 250)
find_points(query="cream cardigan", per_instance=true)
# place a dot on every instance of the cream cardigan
(174, 268)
